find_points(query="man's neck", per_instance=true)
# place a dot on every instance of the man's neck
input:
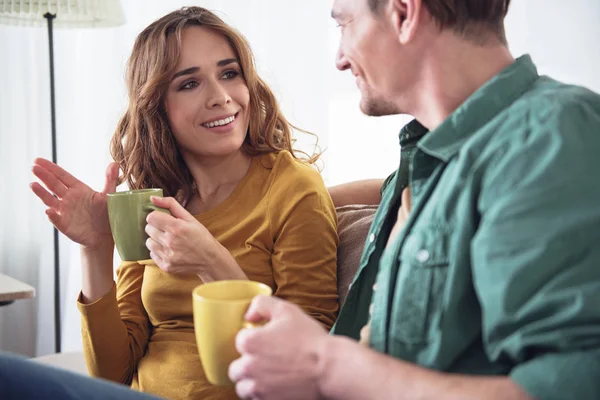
(453, 70)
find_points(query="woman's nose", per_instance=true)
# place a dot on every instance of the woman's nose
(218, 96)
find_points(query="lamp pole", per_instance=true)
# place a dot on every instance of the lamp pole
(50, 19)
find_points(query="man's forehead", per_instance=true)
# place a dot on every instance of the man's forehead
(341, 8)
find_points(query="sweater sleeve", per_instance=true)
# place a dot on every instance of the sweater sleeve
(304, 227)
(115, 328)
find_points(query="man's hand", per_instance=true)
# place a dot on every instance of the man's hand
(283, 359)
(403, 213)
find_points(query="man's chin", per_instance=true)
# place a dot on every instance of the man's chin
(376, 108)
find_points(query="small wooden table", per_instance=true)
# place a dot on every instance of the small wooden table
(12, 289)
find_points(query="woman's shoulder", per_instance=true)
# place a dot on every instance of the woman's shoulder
(297, 189)
(289, 172)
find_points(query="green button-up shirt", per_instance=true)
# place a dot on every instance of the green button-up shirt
(497, 270)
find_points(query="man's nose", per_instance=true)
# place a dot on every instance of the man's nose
(341, 62)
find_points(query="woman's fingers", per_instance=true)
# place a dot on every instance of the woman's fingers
(60, 174)
(157, 249)
(44, 195)
(111, 178)
(52, 183)
(55, 219)
(157, 259)
(155, 234)
(51, 202)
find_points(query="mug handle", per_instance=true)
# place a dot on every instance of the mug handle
(247, 324)
(152, 207)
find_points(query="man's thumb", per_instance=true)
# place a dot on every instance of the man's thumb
(261, 309)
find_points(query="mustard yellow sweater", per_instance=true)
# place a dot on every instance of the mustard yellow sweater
(279, 224)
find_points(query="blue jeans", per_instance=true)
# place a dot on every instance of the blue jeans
(24, 379)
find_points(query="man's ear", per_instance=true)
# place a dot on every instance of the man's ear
(405, 15)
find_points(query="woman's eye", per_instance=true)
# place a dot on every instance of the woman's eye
(188, 85)
(230, 74)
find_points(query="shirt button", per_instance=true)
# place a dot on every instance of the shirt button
(372, 238)
(422, 255)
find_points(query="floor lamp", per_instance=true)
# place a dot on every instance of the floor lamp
(60, 14)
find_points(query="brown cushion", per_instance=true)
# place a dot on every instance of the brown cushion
(354, 222)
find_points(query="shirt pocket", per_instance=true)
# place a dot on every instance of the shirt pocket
(421, 280)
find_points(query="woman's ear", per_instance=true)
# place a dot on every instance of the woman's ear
(405, 15)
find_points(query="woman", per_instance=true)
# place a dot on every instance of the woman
(204, 127)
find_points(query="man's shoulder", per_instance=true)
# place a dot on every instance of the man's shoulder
(551, 127)
(553, 104)
(550, 111)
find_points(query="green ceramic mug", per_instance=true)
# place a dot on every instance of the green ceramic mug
(127, 212)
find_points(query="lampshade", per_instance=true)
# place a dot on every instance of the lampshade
(69, 13)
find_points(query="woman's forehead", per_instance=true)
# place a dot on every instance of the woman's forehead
(203, 44)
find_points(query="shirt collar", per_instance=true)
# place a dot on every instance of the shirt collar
(482, 106)
(411, 132)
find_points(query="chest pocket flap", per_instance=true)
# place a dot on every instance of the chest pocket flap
(420, 283)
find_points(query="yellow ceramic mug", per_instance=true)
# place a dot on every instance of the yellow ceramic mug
(219, 309)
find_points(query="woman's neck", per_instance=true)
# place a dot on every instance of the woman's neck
(216, 179)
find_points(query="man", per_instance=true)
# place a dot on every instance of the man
(491, 290)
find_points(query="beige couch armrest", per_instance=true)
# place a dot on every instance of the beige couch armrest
(354, 222)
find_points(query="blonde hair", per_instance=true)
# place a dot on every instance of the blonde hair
(143, 144)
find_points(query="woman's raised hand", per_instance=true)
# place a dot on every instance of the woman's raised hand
(74, 208)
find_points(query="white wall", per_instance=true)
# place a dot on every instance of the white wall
(562, 37)
(295, 43)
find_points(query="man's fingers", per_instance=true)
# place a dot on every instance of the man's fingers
(247, 341)
(406, 199)
(239, 369)
(365, 332)
(246, 389)
(262, 308)
(62, 175)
